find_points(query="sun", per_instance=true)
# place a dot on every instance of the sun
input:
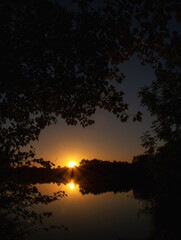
(72, 164)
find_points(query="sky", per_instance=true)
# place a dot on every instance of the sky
(108, 139)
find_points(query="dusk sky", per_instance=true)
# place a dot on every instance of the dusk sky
(109, 138)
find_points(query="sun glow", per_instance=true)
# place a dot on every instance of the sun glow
(72, 164)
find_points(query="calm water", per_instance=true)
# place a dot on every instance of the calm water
(105, 216)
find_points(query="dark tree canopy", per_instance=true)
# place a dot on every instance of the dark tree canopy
(163, 98)
(61, 61)
(18, 219)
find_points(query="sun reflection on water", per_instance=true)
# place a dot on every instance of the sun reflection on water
(72, 185)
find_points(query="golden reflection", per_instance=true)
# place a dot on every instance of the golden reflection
(71, 185)
(72, 164)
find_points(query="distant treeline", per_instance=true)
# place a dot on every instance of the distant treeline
(144, 171)
(88, 172)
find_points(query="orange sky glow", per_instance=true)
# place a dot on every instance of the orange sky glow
(107, 139)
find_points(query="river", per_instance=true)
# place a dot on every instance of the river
(100, 216)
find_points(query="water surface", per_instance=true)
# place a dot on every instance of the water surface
(105, 216)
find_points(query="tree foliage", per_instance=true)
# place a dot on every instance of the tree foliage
(63, 61)
(18, 219)
(163, 98)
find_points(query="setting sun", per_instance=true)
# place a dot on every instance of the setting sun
(72, 164)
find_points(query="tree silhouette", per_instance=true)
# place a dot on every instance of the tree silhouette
(18, 219)
(64, 61)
